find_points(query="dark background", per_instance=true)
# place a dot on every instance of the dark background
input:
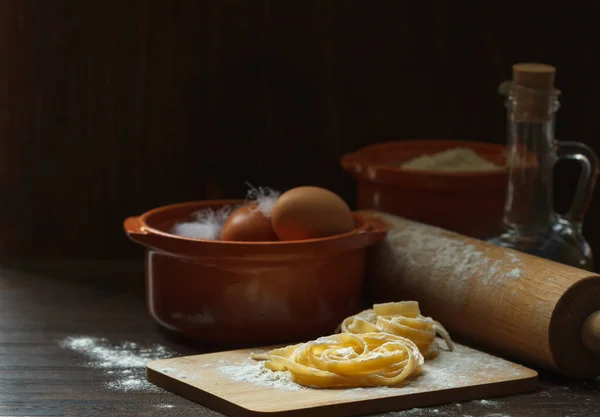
(111, 108)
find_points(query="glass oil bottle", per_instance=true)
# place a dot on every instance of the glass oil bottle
(531, 224)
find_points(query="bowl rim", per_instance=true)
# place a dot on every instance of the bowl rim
(350, 160)
(366, 225)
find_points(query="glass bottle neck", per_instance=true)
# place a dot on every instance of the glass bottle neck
(529, 210)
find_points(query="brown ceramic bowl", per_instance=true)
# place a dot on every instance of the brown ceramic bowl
(235, 293)
(470, 203)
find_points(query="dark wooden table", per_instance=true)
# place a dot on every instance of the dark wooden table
(40, 377)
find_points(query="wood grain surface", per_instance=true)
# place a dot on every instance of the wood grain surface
(464, 374)
(514, 303)
(38, 377)
(110, 108)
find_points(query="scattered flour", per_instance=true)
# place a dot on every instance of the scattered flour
(124, 355)
(256, 373)
(182, 372)
(515, 273)
(410, 412)
(451, 262)
(346, 353)
(513, 258)
(164, 406)
(450, 370)
(452, 410)
(488, 403)
(418, 412)
(132, 383)
(446, 254)
(447, 371)
(126, 360)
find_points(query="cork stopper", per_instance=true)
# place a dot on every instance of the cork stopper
(533, 92)
(534, 76)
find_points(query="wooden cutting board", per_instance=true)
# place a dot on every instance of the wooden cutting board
(233, 384)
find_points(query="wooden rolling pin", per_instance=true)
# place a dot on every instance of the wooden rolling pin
(533, 310)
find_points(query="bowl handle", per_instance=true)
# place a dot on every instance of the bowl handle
(350, 165)
(133, 226)
(135, 230)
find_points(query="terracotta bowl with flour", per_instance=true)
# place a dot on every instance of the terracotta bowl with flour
(401, 178)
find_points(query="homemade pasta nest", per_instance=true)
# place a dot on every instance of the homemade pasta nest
(348, 360)
(382, 346)
(400, 319)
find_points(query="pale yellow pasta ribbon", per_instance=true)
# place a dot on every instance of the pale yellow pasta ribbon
(348, 360)
(401, 319)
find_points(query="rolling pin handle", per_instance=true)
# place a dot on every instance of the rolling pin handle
(590, 332)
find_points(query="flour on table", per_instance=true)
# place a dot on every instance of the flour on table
(131, 383)
(418, 412)
(124, 355)
(125, 361)
(488, 403)
(449, 410)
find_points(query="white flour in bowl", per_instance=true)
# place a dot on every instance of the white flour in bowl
(454, 159)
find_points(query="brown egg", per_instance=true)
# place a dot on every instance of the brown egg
(248, 224)
(310, 212)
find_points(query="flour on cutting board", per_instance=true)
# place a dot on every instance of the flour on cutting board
(447, 371)
(447, 259)
(256, 373)
(234, 377)
(450, 369)
(124, 362)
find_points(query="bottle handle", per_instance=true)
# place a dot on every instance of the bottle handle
(587, 179)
